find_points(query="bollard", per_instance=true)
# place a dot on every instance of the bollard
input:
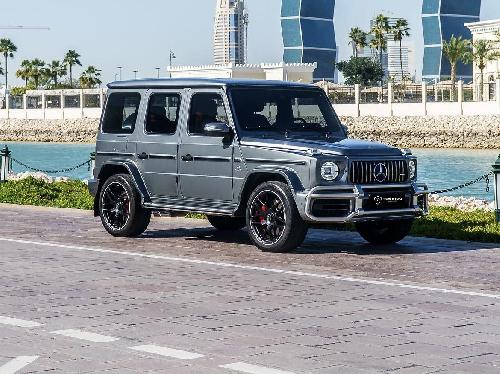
(4, 163)
(496, 176)
(92, 165)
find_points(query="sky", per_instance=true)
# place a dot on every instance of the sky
(139, 34)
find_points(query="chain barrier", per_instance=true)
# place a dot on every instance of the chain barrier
(67, 170)
(485, 177)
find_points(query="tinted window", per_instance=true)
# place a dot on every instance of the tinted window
(121, 113)
(206, 108)
(284, 111)
(163, 113)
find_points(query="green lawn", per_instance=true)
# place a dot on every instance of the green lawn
(445, 223)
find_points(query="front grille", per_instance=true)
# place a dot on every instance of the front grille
(372, 172)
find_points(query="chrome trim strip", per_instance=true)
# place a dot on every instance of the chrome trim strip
(271, 161)
(162, 156)
(102, 153)
(212, 158)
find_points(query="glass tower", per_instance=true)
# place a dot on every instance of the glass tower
(441, 19)
(231, 21)
(309, 35)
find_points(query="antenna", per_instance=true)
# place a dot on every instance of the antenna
(24, 28)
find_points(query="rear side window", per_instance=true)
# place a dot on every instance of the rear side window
(121, 113)
(163, 114)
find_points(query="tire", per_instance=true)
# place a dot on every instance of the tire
(225, 223)
(384, 232)
(277, 227)
(122, 214)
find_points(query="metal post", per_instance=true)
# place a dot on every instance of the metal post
(497, 92)
(390, 98)
(461, 96)
(496, 176)
(7, 103)
(5, 163)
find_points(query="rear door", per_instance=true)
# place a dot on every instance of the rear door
(157, 150)
(206, 162)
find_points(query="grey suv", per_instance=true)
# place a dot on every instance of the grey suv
(271, 156)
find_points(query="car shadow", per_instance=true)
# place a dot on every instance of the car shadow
(320, 241)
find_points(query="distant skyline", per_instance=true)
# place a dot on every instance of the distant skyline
(139, 37)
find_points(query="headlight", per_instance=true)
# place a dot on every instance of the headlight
(330, 171)
(412, 169)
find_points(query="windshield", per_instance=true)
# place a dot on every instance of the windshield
(285, 112)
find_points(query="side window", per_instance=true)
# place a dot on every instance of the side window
(205, 108)
(121, 113)
(163, 114)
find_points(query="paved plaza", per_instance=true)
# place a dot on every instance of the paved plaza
(184, 298)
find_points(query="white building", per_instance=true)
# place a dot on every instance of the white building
(230, 26)
(486, 30)
(279, 71)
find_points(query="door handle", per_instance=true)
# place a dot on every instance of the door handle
(187, 157)
(143, 156)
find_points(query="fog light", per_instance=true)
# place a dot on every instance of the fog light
(330, 171)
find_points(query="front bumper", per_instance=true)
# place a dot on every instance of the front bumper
(356, 203)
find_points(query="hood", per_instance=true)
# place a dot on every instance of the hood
(345, 147)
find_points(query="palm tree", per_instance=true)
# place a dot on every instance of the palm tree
(36, 70)
(90, 77)
(358, 40)
(55, 70)
(24, 72)
(379, 30)
(71, 59)
(483, 51)
(400, 31)
(455, 50)
(7, 48)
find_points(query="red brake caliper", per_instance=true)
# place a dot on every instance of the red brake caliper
(263, 210)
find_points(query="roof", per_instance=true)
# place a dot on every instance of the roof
(201, 82)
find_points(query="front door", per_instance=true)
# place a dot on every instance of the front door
(206, 162)
(158, 148)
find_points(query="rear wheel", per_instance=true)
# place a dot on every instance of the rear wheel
(273, 221)
(120, 207)
(224, 223)
(385, 232)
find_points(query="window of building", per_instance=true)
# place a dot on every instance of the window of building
(206, 108)
(163, 114)
(121, 113)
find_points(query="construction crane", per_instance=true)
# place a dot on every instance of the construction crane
(24, 28)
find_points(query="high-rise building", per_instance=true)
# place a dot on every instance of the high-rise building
(309, 35)
(231, 22)
(441, 19)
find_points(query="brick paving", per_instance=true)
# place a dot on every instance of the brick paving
(260, 313)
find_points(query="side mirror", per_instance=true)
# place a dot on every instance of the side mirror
(217, 129)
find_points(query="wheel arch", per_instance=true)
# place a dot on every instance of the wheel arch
(259, 176)
(120, 167)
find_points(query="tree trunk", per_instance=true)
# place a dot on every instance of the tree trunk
(71, 75)
(453, 80)
(401, 59)
(6, 71)
(481, 85)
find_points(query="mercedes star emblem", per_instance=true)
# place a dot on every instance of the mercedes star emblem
(380, 173)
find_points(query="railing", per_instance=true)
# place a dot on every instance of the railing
(400, 99)
(53, 104)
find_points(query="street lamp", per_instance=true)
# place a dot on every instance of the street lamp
(496, 175)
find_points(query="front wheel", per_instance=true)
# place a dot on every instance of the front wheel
(384, 232)
(120, 208)
(273, 221)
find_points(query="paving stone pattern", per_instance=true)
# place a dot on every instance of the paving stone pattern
(215, 316)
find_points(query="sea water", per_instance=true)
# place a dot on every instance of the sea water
(439, 168)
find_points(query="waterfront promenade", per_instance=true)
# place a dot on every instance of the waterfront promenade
(186, 299)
